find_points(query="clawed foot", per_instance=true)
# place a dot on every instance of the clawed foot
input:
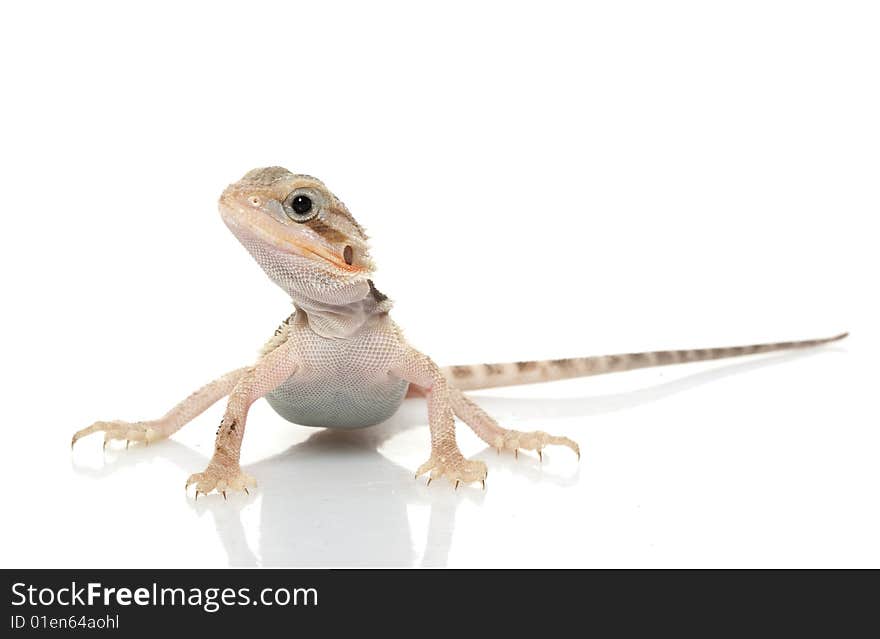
(455, 468)
(145, 432)
(221, 479)
(537, 440)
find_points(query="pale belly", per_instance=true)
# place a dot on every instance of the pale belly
(341, 383)
(337, 403)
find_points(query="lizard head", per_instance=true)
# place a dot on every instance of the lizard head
(300, 233)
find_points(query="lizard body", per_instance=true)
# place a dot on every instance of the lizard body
(339, 360)
(348, 384)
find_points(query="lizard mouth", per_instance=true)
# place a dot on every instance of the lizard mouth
(307, 249)
(271, 232)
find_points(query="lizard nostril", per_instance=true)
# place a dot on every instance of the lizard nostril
(348, 255)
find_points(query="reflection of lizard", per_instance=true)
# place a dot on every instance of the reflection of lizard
(339, 361)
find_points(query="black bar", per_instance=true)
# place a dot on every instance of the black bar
(831, 603)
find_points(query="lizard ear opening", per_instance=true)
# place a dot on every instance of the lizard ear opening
(348, 255)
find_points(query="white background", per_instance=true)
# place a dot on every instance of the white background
(539, 180)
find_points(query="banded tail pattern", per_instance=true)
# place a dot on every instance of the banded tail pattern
(477, 376)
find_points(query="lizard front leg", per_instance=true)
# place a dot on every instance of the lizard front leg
(224, 472)
(490, 432)
(446, 459)
(175, 419)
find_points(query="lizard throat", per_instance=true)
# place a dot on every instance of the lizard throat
(335, 307)
(341, 320)
(336, 303)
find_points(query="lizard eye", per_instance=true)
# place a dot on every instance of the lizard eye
(299, 207)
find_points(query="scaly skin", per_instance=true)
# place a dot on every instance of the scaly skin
(339, 360)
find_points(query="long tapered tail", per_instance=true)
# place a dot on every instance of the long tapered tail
(476, 376)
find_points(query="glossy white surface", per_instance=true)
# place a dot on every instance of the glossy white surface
(538, 184)
(748, 463)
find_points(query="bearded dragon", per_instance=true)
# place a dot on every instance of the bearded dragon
(339, 361)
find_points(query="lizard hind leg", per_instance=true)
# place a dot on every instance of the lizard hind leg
(500, 438)
(145, 432)
(171, 422)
